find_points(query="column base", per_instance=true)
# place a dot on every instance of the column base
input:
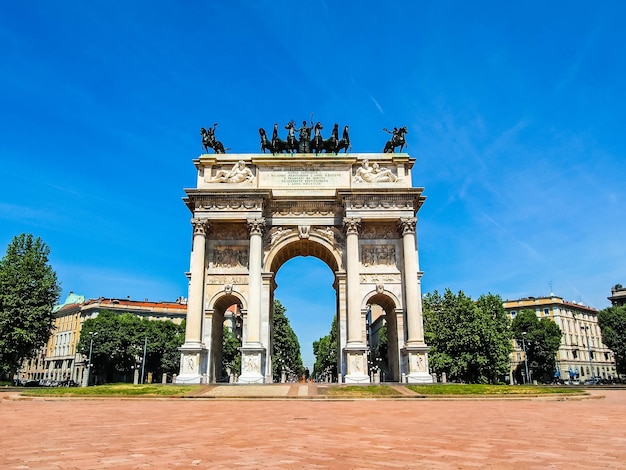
(419, 378)
(191, 360)
(417, 364)
(356, 361)
(252, 364)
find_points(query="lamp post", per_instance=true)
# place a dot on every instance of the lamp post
(143, 362)
(525, 356)
(586, 328)
(91, 335)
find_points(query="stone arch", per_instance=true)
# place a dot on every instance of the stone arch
(293, 245)
(391, 305)
(290, 247)
(214, 333)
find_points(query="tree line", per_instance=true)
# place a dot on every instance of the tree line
(470, 340)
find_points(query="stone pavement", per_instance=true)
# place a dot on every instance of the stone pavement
(243, 433)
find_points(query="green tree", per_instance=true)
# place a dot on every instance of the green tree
(231, 356)
(28, 292)
(118, 344)
(612, 322)
(325, 351)
(285, 345)
(469, 341)
(380, 357)
(542, 339)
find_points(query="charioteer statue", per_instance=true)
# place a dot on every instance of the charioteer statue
(304, 143)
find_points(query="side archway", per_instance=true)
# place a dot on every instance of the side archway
(384, 323)
(226, 308)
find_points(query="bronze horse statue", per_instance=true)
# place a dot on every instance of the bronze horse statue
(209, 141)
(290, 145)
(397, 139)
(265, 143)
(317, 144)
(335, 145)
(344, 143)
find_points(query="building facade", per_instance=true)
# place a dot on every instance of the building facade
(582, 354)
(60, 361)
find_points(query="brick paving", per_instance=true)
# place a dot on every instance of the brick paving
(301, 433)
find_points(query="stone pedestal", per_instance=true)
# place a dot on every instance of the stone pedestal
(252, 364)
(418, 365)
(356, 362)
(190, 361)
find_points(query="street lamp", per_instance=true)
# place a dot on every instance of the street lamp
(91, 335)
(143, 362)
(525, 356)
(586, 328)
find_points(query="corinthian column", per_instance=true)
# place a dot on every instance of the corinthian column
(195, 304)
(352, 225)
(256, 227)
(412, 289)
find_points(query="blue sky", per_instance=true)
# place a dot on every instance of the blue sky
(515, 114)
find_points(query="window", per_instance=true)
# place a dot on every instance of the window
(575, 353)
(546, 311)
(513, 313)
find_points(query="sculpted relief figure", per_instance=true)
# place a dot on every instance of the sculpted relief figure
(373, 174)
(238, 174)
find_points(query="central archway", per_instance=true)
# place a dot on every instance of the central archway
(307, 255)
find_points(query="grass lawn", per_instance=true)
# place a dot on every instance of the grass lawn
(359, 391)
(480, 389)
(127, 390)
(380, 391)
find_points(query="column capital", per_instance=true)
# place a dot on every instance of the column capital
(200, 226)
(352, 224)
(256, 226)
(407, 225)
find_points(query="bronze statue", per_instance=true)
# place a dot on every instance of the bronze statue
(278, 145)
(265, 143)
(209, 141)
(397, 139)
(304, 144)
(317, 143)
(292, 143)
(344, 143)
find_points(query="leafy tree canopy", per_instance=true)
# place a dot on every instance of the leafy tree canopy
(470, 341)
(28, 292)
(542, 338)
(285, 345)
(612, 322)
(231, 356)
(118, 344)
(325, 351)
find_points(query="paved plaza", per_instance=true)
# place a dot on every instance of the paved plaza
(304, 433)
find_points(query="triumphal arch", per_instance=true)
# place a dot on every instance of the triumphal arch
(253, 212)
